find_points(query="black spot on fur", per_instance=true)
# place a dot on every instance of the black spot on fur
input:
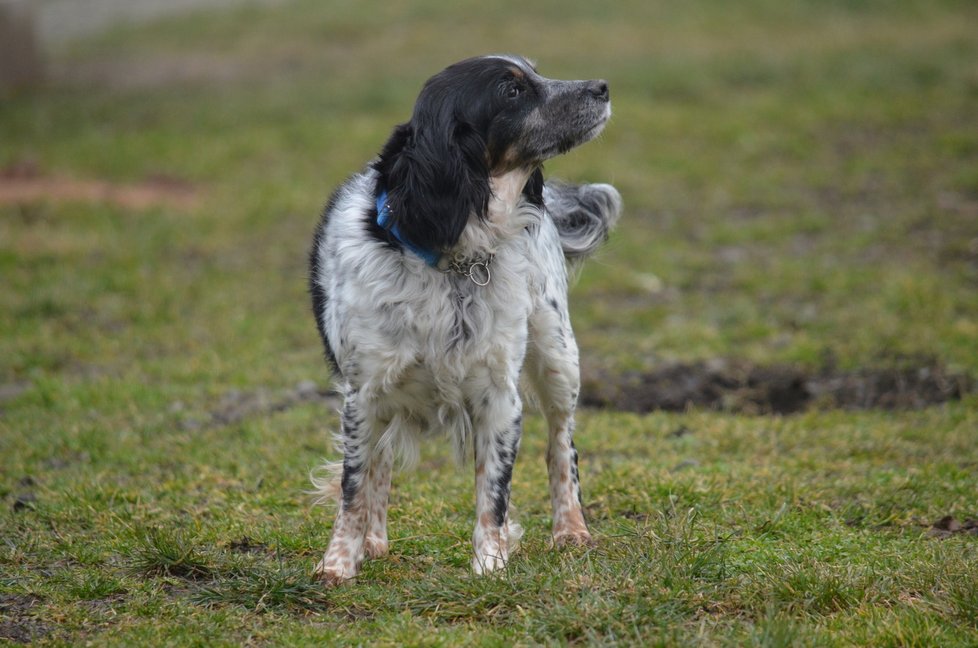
(461, 329)
(575, 476)
(507, 457)
(350, 423)
(350, 483)
(561, 338)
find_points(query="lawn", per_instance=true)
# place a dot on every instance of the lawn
(801, 190)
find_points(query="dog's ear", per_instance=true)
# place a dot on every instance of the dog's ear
(436, 174)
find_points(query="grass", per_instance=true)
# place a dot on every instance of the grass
(800, 185)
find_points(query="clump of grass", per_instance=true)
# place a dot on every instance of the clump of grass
(963, 596)
(262, 589)
(93, 586)
(813, 589)
(457, 597)
(169, 552)
(774, 629)
(684, 554)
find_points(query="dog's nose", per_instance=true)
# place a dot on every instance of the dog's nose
(598, 89)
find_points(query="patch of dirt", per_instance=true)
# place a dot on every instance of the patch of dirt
(16, 619)
(106, 603)
(248, 545)
(23, 183)
(740, 386)
(24, 502)
(237, 405)
(948, 526)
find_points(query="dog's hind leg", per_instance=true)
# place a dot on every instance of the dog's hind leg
(553, 371)
(378, 496)
(346, 549)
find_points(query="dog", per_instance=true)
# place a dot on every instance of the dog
(439, 280)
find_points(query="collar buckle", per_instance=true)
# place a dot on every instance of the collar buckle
(477, 271)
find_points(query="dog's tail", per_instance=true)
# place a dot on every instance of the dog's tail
(326, 483)
(584, 215)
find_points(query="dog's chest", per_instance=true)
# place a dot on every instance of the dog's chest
(441, 336)
(449, 349)
(465, 322)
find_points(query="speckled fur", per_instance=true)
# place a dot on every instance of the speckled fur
(420, 352)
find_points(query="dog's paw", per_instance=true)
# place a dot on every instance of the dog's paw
(488, 564)
(374, 547)
(579, 538)
(333, 573)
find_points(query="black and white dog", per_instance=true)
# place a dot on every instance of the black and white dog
(439, 279)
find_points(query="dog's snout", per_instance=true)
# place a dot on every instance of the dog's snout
(598, 89)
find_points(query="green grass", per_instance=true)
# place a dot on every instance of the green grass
(800, 183)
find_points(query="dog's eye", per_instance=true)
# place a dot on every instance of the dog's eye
(513, 91)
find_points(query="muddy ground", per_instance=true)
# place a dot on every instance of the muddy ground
(18, 623)
(739, 386)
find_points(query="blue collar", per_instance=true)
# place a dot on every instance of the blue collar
(383, 219)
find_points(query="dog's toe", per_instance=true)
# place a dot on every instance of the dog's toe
(332, 575)
(483, 565)
(375, 547)
(573, 539)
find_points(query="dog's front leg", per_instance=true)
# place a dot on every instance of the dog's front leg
(345, 553)
(496, 445)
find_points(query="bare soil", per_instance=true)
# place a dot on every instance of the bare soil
(17, 623)
(23, 183)
(739, 386)
(948, 526)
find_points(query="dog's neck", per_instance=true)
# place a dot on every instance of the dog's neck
(507, 193)
(506, 217)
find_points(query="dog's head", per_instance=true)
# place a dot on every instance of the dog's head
(477, 119)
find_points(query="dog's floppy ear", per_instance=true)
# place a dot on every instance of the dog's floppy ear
(435, 172)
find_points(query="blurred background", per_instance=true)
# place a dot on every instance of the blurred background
(800, 237)
(800, 178)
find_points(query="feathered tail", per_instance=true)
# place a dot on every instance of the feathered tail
(584, 215)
